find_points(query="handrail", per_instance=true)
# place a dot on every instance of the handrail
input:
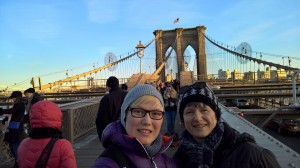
(276, 112)
(295, 103)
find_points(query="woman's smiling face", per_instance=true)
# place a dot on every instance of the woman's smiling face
(144, 129)
(199, 120)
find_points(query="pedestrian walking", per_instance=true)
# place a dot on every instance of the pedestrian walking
(110, 105)
(45, 146)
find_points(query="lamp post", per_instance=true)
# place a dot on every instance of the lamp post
(140, 47)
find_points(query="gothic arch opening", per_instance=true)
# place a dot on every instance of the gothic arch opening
(171, 67)
(189, 58)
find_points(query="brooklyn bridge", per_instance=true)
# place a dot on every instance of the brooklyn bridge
(267, 82)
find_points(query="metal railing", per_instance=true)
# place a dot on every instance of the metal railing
(79, 118)
(5, 154)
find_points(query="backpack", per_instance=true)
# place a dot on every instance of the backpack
(118, 156)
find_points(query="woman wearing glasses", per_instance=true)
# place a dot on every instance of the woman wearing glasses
(135, 140)
(208, 141)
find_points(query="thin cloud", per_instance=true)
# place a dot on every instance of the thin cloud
(253, 33)
(104, 11)
(23, 19)
(39, 29)
(9, 56)
(293, 33)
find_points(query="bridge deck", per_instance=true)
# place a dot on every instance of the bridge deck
(88, 148)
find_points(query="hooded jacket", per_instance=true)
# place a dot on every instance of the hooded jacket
(235, 151)
(115, 134)
(45, 116)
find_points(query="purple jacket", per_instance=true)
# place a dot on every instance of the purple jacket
(115, 134)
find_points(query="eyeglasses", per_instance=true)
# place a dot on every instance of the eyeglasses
(140, 113)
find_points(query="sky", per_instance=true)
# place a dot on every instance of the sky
(38, 38)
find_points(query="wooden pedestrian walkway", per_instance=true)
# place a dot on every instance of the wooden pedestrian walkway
(87, 149)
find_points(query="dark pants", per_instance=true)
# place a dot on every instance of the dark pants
(14, 149)
(171, 116)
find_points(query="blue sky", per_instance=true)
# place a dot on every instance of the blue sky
(50, 36)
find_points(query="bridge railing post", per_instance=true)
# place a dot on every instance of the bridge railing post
(295, 103)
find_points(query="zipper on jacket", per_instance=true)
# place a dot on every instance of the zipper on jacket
(151, 158)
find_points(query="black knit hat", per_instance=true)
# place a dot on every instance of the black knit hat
(198, 92)
(15, 94)
(112, 82)
(30, 90)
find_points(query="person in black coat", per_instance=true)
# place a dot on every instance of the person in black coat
(32, 97)
(110, 105)
(208, 141)
(15, 135)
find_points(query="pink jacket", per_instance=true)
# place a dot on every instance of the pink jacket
(46, 114)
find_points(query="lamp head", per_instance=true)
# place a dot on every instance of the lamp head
(140, 47)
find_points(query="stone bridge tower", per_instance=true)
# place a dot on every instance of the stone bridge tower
(193, 37)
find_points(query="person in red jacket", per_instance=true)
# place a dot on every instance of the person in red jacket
(46, 122)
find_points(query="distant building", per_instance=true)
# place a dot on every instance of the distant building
(264, 75)
(210, 77)
(278, 74)
(271, 74)
(237, 75)
(249, 75)
(224, 74)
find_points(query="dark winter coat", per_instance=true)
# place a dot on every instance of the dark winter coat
(235, 151)
(170, 102)
(35, 98)
(17, 114)
(109, 109)
(115, 134)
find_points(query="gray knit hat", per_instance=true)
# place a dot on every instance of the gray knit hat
(198, 92)
(135, 93)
